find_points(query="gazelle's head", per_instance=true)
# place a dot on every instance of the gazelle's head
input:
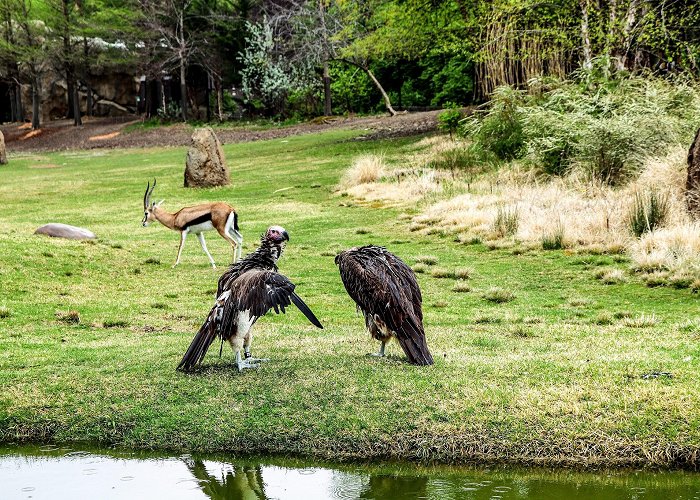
(149, 207)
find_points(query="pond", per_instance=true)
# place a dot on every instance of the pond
(63, 473)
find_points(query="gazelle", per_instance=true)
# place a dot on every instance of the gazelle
(197, 219)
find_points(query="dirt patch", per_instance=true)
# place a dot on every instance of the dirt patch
(98, 133)
(102, 137)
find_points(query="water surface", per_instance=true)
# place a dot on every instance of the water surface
(64, 473)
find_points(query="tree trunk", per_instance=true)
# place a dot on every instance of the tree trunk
(220, 99)
(36, 102)
(88, 104)
(387, 101)
(70, 90)
(18, 101)
(327, 107)
(183, 89)
(585, 35)
(77, 120)
(14, 112)
(692, 185)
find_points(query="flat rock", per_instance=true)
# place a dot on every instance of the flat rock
(58, 230)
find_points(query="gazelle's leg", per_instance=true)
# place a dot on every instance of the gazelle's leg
(238, 247)
(200, 237)
(183, 237)
(225, 234)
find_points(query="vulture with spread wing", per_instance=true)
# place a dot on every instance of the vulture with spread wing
(248, 290)
(386, 291)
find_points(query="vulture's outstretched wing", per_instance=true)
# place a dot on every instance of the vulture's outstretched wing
(254, 293)
(381, 284)
(259, 291)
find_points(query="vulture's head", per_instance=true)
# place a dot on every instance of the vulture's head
(277, 234)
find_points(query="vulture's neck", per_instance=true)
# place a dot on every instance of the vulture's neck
(266, 256)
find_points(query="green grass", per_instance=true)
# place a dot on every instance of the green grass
(553, 376)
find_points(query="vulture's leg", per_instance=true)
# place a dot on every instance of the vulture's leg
(379, 354)
(246, 348)
(200, 237)
(237, 343)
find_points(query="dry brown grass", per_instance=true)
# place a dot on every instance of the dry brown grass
(365, 169)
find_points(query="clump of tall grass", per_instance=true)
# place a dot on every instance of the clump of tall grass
(365, 169)
(649, 210)
(674, 250)
(498, 295)
(553, 239)
(506, 222)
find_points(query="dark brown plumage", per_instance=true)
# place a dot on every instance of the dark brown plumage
(386, 291)
(248, 290)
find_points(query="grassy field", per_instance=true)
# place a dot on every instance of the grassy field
(537, 360)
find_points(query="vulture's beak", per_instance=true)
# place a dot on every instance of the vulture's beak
(286, 235)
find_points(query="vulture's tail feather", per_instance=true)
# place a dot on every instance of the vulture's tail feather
(305, 309)
(200, 344)
(412, 341)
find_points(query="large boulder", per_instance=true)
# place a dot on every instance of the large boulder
(58, 230)
(692, 184)
(3, 153)
(206, 165)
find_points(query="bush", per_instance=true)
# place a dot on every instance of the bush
(448, 120)
(500, 130)
(604, 127)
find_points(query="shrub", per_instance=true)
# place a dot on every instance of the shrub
(501, 130)
(448, 120)
(649, 211)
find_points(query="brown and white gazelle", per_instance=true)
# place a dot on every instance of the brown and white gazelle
(197, 219)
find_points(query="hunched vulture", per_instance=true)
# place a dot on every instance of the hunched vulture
(385, 289)
(247, 290)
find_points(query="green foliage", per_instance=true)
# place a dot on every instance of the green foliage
(500, 130)
(649, 211)
(449, 120)
(601, 124)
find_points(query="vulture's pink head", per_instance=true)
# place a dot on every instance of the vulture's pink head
(277, 234)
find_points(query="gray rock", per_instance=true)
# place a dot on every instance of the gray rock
(206, 165)
(692, 185)
(3, 153)
(58, 230)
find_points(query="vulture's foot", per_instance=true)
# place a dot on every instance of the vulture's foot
(242, 365)
(376, 354)
(258, 360)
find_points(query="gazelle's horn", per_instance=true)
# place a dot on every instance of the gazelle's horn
(145, 196)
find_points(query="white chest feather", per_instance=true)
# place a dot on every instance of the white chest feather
(198, 228)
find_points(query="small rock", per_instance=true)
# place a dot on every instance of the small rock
(205, 164)
(58, 230)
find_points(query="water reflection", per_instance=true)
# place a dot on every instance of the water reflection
(33, 472)
(235, 481)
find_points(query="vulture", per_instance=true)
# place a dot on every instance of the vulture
(247, 290)
(385, 289)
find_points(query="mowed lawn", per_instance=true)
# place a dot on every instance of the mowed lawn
(571, 371)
